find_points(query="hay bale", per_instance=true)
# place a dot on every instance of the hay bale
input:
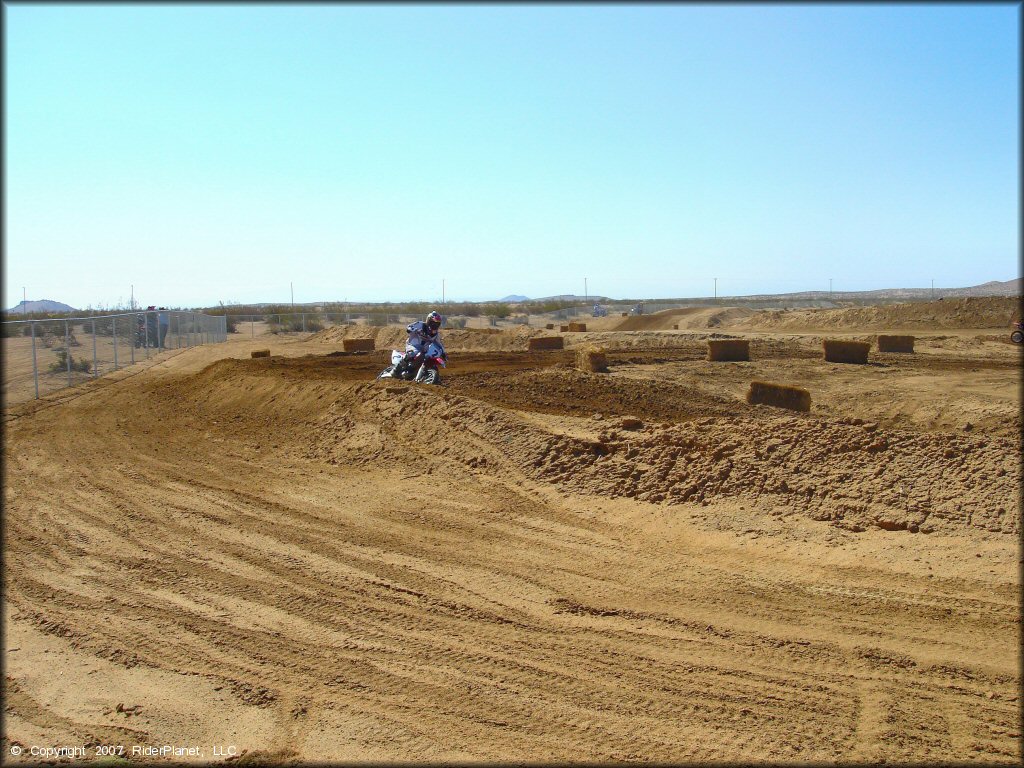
(895, 343)
(837, 351)
(592, 359)
(546, 342)
(728, 349)
(577, 327)
(358, 345)
(563, 328)
(675, 327)
(625, 314)
(260, 353)
(779, 395)
(550, 326)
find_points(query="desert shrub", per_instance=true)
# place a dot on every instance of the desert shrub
(456, 322)
(377, 319)
(260, 353)
(60, 365)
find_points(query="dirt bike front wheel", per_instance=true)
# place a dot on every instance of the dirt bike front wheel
(1017, 337)
(431, 376)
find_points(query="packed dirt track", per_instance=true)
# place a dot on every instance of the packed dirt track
(529, 562)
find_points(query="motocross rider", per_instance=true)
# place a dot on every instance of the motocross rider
(421, 333)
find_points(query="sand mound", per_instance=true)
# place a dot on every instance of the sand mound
(455, 340)
(689, 318)
(984, 312)
(701, 449)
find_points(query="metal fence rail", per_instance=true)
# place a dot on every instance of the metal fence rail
(42, 356)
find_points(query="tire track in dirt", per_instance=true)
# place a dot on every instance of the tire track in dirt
(470, 598)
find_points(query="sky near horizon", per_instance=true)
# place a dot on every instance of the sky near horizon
(221, 153)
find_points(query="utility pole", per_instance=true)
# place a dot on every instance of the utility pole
(586, 294)
(24, 302)
(133, 296)
(933, 289)
(442, 292)
(716, 288)
(830, 289)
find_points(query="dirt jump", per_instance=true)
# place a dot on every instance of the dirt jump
(284, 557)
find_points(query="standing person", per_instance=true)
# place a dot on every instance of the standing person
(151, 327)
(421, 333)
(165, 324)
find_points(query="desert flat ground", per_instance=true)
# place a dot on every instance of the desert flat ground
(530, 562)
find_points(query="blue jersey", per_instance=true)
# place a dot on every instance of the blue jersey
(420, 336)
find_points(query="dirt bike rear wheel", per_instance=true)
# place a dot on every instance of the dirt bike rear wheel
(431, 376)
(1017, 337)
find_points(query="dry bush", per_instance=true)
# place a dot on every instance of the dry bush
(728, 349)
(895, 343)
(592, 359)
(837, 351)
(779, 395)
(358, 345)
(577, 327)
(260, 353)
(546, 342)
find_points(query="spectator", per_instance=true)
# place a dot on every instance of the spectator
(151, 327)
(165, 324)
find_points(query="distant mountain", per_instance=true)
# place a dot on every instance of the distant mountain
(44, 305)
(991, 288)
(514, 298)
(574, 297)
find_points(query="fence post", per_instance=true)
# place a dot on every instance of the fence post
(131, 340)
(193, 328)
(303, 322)
(113, 325)
(95, 368)
(35, 369)
(145, 326)
(252, 326)
(67, 349)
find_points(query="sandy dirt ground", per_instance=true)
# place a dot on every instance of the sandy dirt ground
(283, 559)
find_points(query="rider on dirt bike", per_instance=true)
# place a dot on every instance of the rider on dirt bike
(421, 333)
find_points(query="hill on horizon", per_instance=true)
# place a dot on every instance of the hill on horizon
(42, 305)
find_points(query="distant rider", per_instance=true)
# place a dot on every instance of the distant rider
(421, 334)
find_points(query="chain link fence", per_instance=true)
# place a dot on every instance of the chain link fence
(42, 356)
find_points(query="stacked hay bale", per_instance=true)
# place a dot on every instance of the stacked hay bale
(779, 395)
(546, 342)
(358, 345)
(592, 359)
(260, 353)
(837, 351)
(563, 328)
(728, 349)
(895, 343)
(577, 327)
(550, 326)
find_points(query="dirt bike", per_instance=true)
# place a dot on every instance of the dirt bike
(425, 373)
(1017, 335)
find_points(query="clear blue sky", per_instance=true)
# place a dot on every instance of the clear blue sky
(218, 153)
